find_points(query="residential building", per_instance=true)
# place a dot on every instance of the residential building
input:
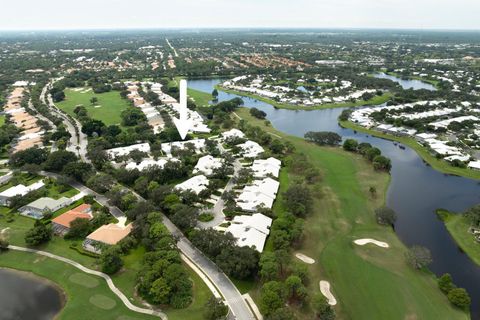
(106, 235)
(39, 207)
(61, 224)
(250, 231)
(18, 190)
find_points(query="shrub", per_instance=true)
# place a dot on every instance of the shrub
(459, 298)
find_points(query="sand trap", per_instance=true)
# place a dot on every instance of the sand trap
(362, 242)
(304, 258)
(4, 230)
(97, 106)
(87, 90)
(325, 290)
(77, 89)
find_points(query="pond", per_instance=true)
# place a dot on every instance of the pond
(23, 296)
(415, 192)
(407, 83)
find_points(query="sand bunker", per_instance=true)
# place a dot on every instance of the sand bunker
(304, 258)
(97, 106)
(325, 290)
(362, 242)
(4, 230)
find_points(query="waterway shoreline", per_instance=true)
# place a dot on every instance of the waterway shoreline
(435, 163)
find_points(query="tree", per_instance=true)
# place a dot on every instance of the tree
(418, 257)
(3, 244)
(79, 229)
(322, 309)
(58, 159)
(33, 155)
(110, 260)
(298, 200)
(323, 138)
(215, 94)
(259, 114)
(269, 267)
(238, 262)
(92, 126)
(160, 291)
(350, 145)
(382, 163)
(39, 234)
(373, 191)
(272, 297)
(295, 288)
(385, 216)
(93, 100)
(459, 297)
(80, 171)
(445, 283)
(215, 309)
(132, 117)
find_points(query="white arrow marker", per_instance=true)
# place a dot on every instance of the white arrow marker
(183, 124)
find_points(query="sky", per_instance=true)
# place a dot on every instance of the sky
(126, 14)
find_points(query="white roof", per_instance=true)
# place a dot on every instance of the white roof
(207, 165)
(251, 149)
(196, 184)
(474, 165)
(233, 133)
(270, 166)
(197, 143)
(122, 151)
(260, 193)
(147, 163)
(21, 189)
(250, 231)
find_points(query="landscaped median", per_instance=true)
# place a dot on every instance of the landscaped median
(374, 101)
(368, 282)
(437, 164)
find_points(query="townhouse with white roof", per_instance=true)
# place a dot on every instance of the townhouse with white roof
(250, 231)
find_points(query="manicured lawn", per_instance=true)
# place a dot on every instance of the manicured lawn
(457, 225)
(200, 98)
(2, 120)
(437, 164)
(88, 297)
(125, 280)
(374, 101)
(369, 282)
(111, 105)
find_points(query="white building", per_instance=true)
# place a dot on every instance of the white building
(198, 145)
(148, 163)
(18, 190)
(196, 184)
(251, 149)
(263, 168)
(207, 165)
(123, 151)
(474, 165)
(250, 231)
(261, 193)
(233, 133)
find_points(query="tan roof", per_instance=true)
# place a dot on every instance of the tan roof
(110, 234)
(82, 212)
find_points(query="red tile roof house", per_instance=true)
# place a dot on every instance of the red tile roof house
(61, 224)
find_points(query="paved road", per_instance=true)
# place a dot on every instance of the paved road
(110, 284)
(217, 211)
(233, 297)
(78, 140)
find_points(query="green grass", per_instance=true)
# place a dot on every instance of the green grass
(82, 302)
(125, 280)
(458, 225)
(437, 164)
(201, 98)
(374, 101)
(111, 104)
(2, 120)
(369, 282)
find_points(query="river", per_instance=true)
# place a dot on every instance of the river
(415, 192)
(25, 297)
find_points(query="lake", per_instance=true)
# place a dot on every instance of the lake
(26, 297)
(415, 192)
(407, 83)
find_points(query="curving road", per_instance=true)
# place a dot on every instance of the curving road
(110, 284)
(238, 306)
